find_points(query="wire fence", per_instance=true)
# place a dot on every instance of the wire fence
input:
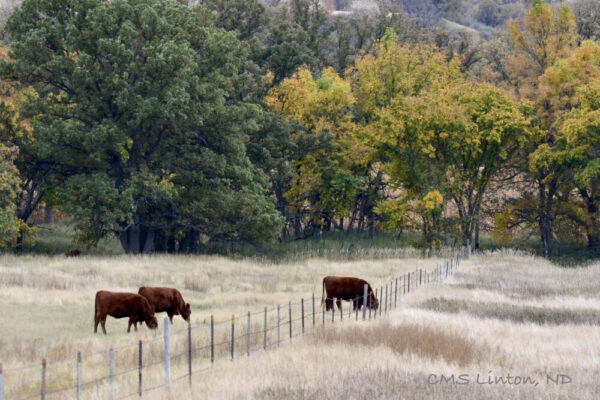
(137, 368)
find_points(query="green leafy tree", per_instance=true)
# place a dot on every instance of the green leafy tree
(138, 102)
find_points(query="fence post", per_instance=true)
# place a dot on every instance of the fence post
(43, 391)
(140, 369)
(396, 295)
(356, 308)
(341, 310)
(380, 295)
(167, 336)
(302, 303)
(1, 383)
(190, 351)
(111, 370)
(232, 335)
(386, 303)
(78, 375)
(290, 308)
(278, 329)
(212, 339)
(265, 330)
(313, 309)
(248, 336)
(408, 283)
(365, 291)
(420, 277)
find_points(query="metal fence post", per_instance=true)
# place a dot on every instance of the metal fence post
(167, 337)
(356, 308)
(302, 303)
(140, 369)
(290, 308)
(278, 327)
(43, 391)
(386, 297)
(313, 309)
(232, 335)
(381, 296)
(377, 296)
(1, 383)
(78, 375)
(190, 351)
(365, 291)
(341, 310)
(212, 339)
(265, 330)
(332, 311)
(420, 277)
(396, 295)
(408, 283)
(248, 336)
(111, 370)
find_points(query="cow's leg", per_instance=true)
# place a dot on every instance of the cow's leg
(328, 304)
(170, 314)
(103, 323)
(96, 322)
(135, 326)
(338, 302)
(129, 325)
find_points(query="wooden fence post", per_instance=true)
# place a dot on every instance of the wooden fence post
(248, 336)
(265, 330)
(111, 370)
(278, 329)
(364, 305)
(43, 391)
(190, 351)
(140, 369)
(212, 339)
(232, 335)
(1, 383)
(167, 337)
(78, 375)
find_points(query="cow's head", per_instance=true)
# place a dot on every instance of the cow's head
(151, 322)
(187, 310)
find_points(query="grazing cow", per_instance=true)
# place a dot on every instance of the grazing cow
(166, 299)
(121, 305)
(347, 288)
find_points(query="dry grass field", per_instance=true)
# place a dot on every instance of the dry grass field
(501, 314)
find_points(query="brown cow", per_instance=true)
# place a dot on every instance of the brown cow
(121, 305)
(347, 288)
(166, 299)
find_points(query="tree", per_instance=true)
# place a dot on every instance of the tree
(587, 14)
(570, 92)
(548, 35)
(9, 184)
(138, 102)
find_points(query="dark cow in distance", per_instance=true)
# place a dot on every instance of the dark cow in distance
(347, 288)
(166, 299)
(121, 305)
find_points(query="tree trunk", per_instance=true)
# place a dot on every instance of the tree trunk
(477, 235)
(48, 215)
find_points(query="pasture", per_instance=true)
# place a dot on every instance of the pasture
(502, 313)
